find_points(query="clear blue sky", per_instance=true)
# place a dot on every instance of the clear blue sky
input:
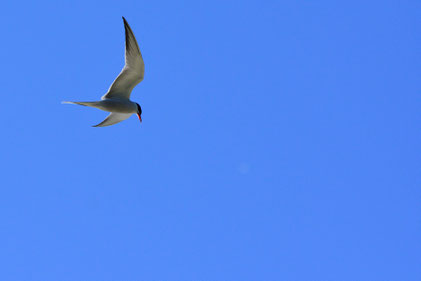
(280, 141)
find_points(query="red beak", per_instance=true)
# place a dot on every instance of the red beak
(140, 118)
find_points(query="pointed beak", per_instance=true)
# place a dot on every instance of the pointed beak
(140, 118)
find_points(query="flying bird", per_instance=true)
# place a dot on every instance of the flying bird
(117, 99)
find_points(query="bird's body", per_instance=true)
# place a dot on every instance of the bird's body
(117, 99)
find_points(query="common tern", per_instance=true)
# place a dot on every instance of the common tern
(117, 99)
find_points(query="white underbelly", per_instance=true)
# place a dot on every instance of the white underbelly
(117, 106)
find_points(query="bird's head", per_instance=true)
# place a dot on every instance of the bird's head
(139, 112)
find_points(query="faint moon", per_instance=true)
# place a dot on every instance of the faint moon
(243, 168)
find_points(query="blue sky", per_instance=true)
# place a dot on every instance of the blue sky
(280, 141)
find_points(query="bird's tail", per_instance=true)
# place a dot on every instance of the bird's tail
(84, 103)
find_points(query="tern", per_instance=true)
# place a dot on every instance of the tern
(117, 99)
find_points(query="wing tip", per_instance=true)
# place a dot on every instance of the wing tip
(101, 124)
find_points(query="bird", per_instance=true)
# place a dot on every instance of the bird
(117, 99)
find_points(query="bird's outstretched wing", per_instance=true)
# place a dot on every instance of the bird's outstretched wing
(113, 118)
(133, 70)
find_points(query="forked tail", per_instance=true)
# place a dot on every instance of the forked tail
(84, 103)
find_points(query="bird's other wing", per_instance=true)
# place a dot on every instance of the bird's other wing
(113, 118)
(133, 70)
